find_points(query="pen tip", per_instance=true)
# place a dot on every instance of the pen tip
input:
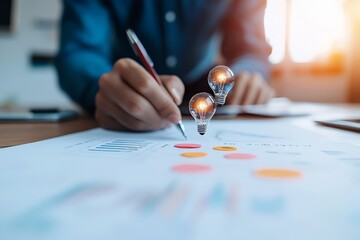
(183, 133)
(181, 127)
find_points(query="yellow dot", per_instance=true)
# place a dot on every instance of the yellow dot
(277, 173)
(225, 148)
(193, 154)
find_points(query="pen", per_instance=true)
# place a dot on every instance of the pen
(149, 65)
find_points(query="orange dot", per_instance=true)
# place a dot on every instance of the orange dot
(225, 148)
(277, 173)
(187, 145)
(191, 168)
(194, 154)
(240, 156)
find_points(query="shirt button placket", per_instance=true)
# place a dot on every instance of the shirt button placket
(170, 17)
(171, 61)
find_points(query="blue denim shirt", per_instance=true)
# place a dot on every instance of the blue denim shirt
(183, 37)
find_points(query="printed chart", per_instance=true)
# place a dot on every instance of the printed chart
(241, 180)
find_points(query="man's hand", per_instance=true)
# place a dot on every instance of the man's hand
(130, 99)
(250, 89)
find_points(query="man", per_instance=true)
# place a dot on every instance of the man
(185, 39)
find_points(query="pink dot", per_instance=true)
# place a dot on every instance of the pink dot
(240, 156)
(191, 168)
(187, 145)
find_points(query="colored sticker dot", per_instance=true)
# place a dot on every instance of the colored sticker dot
(225, 148)
(277, 173)
(191, 168)
(187, 145)
(240, 156)
(194, 154)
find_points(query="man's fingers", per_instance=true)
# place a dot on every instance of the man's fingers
(272, 94)
(106, 121)
(250, 89)
(237, 93)
(128, 107)
(127, 99)
(266, 92)
(265, 95)
(256, 85)
(127, 120)
(174, 86)
(262, 96)
(141, 81)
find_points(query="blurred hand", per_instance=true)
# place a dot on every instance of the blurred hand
(250, 89)
(130, 99)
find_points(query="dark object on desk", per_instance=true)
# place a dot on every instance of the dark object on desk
(7, 16)
(39, 115)
(42, 59)
(345, 124)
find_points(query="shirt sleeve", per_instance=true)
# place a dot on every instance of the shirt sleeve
(244, 46)
(85, 50)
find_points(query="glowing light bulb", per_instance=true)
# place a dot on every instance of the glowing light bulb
(202, 107)
(221, 80)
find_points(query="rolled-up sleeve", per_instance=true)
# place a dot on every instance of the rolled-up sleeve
(244, 45)
(85, 49)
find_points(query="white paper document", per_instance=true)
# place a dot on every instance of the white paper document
(259, 179)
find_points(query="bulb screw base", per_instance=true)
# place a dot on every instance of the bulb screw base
(220, 99)
(202, 128)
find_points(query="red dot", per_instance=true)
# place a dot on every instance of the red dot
(191, 168)
(187, 145)
(240, 156)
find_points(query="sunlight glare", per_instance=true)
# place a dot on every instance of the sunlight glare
(275, 17)
(316, 28)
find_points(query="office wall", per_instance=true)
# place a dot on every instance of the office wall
(20, 82)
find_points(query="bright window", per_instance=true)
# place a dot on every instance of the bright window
(305, 31)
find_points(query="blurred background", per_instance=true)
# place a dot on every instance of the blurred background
(316, 50)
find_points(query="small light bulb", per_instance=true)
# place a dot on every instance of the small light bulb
(202, 107)
(221, 80)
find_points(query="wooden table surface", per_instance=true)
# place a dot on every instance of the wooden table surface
(12, 134)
